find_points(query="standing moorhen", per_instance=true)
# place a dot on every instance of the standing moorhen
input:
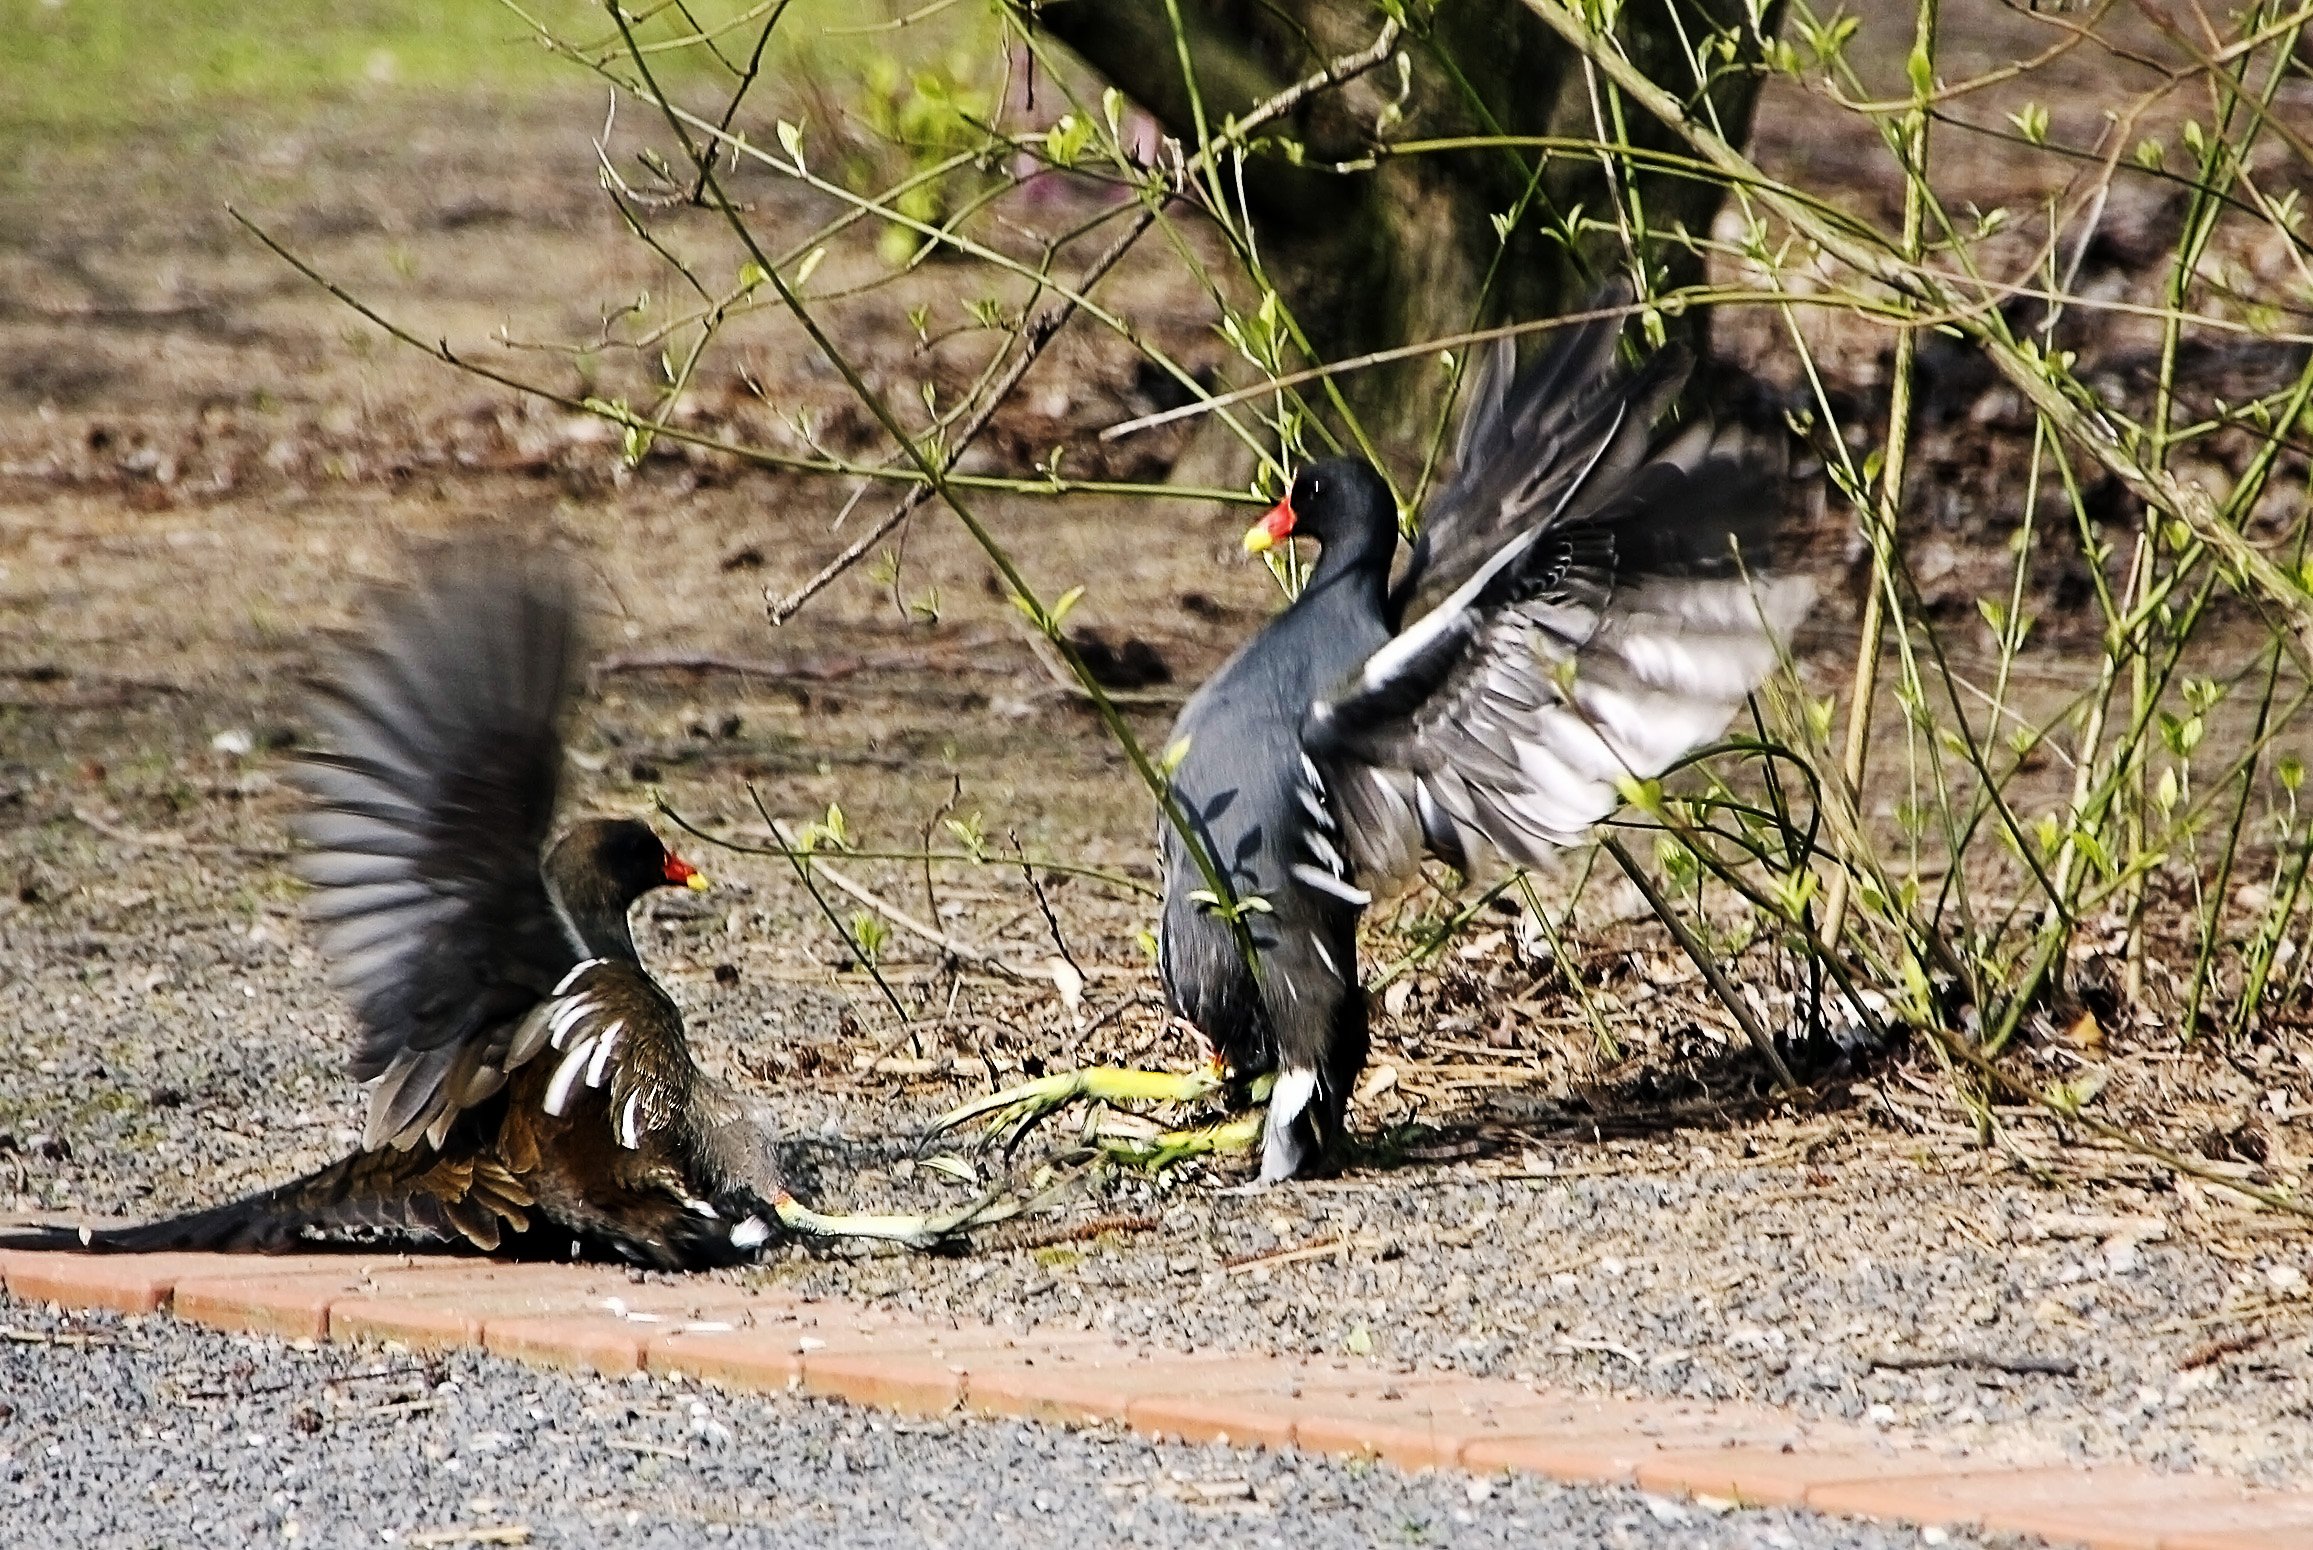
(532, 1090)
(1594, 608)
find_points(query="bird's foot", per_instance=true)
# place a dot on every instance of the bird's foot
(1017, 1110)
(915, 1231)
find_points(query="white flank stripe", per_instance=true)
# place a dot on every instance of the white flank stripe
(566, 1077)
(565, 1016)
(1326, 882)
(571, 978)
(1314, 805)
(749, 1233)
(599, 1067)
(628, 1135)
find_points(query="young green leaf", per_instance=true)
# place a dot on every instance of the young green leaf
(1922, 70)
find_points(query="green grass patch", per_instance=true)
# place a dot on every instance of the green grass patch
(100, 64)
(73, 67)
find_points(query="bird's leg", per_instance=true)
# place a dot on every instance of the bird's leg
(1125, 1139)
(1018, 1109)
(1167, 1147)
(914, 1231)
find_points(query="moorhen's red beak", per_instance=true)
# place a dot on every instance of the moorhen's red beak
(1273, 528)
(684, 875)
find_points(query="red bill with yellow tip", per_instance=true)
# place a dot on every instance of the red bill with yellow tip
(1273, 529)
(684, 875)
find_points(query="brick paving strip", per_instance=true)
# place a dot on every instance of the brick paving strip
(591, 1319)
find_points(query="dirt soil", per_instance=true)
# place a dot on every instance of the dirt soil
(203, 460)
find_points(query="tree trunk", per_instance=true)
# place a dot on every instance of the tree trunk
(1408, 249)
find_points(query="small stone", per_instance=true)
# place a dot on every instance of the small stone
(1665, 1511)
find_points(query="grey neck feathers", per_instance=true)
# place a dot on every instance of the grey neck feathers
(1356, 565)
(737, 1138)
(589, 907)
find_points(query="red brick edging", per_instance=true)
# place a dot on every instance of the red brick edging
(592, 1319)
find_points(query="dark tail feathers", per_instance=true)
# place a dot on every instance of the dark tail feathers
(353, 1203)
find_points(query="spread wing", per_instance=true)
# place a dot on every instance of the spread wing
(1531, 451)
(1624, 610)
(429, 816)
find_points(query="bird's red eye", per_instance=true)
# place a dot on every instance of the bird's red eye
(679, 871)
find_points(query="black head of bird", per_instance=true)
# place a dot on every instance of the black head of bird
(1342, 503)
(599, 868)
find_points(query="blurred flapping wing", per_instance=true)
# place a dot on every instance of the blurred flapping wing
(430, 814)
(1610, 608)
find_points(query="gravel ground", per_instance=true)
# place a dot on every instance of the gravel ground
(1675, 1276)
(139, 1431)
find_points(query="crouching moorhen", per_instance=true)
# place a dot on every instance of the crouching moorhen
(532, 1092)
(1593, 603)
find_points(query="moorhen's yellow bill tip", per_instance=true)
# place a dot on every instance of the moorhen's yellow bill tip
(682, 872)
(1275, 526)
